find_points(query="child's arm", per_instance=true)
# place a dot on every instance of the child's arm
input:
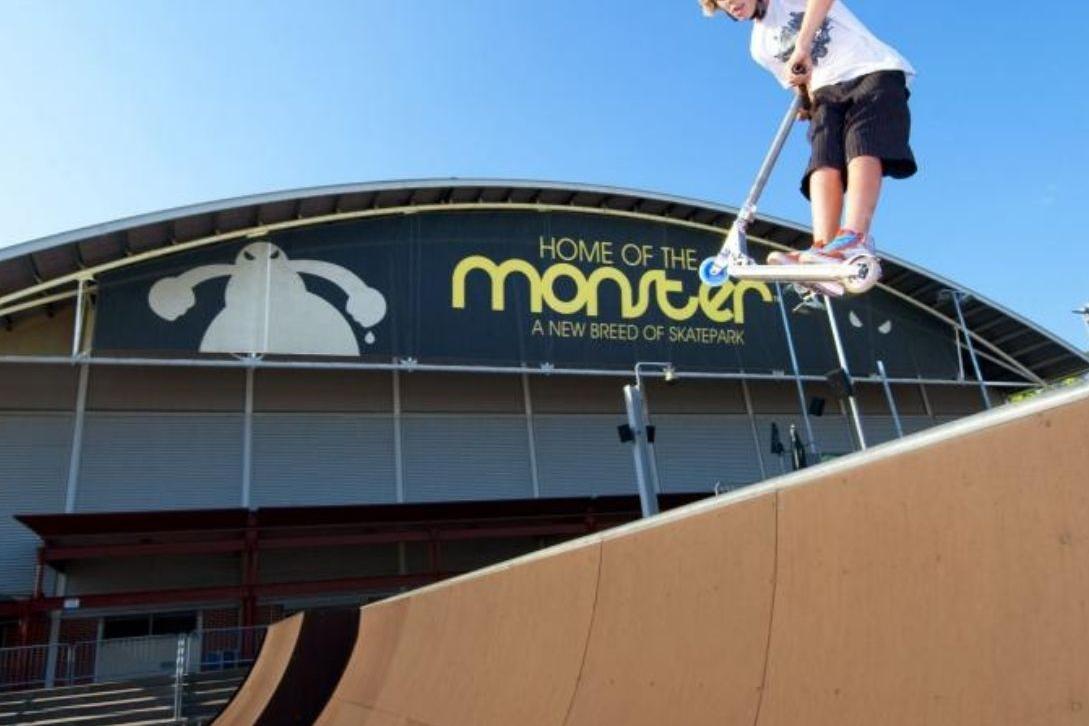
(815, 13)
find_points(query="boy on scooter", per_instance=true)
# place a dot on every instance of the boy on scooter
(860, 123)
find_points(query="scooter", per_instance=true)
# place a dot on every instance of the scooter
(855, 275)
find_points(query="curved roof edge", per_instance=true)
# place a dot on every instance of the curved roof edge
(24, 265)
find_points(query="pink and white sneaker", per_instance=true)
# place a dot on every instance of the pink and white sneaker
(846, 245)
(794, 257)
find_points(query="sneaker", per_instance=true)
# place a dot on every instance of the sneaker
(794, 257)
(846, 245)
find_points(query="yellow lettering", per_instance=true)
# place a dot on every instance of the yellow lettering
(717, 302)
(498, 275)
(724, 304)
(567, 307)
(665, 288)
(743, 287)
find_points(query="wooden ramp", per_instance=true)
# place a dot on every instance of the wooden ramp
(301, 661)
(941, 579)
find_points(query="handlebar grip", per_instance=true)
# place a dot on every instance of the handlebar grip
(803, 91)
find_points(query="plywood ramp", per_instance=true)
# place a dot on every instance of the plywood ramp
(943, 579)
(301, 661)
(265, 675)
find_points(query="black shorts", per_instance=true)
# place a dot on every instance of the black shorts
(868, 116)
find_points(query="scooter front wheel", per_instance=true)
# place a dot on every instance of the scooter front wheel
(709, 277)
(866, 272)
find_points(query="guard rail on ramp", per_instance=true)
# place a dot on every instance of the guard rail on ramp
(300, 663)
(941, 579)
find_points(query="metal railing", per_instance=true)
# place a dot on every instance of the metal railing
(85, 662)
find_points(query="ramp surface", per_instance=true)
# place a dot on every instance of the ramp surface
(942, 579)
(301, 661)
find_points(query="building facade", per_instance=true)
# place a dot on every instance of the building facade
(215, 415)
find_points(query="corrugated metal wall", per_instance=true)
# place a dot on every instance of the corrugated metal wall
(696, 452)
(175, 438)
(581, 454)
(147, 461)
(316, 459)
(34, 449)
(460, 457)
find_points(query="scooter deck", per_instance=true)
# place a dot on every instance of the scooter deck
(792, 273)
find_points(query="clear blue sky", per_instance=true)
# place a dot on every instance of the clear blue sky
(118, 108)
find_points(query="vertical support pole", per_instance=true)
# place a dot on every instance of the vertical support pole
(179, 674)
(533, 470)
(39, 574)
(77, 325)
(77, 439)
(960, 358)
(250, 565)
(752, 424)
(652, 457)
(891, 400)
(843, 364)
(633, 402)
(796, 370)
(247, 439)
(957, 295)
(71, 490)
(929, 409)
(398, 455)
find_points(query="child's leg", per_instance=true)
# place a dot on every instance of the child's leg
(826, 202)
(863, 190)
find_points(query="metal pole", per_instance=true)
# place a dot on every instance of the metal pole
(652, 457)
(75, 455)
(398, 454)
(420, 367)
(179, 674)
(843, 364)
(956, 295)
(77, 327)
(797, 371)
(755, 433)
(633, 402)
(781, 135)
(247, 440)
(1084, 313)
(892, 401)
(534, 472)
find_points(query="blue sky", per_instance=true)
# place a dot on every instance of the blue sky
(119, 108)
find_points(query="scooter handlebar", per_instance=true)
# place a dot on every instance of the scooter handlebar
(803, 91)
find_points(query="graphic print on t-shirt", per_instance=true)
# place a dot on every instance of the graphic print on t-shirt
(788, 36)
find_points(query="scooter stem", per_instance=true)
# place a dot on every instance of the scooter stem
(749, 207)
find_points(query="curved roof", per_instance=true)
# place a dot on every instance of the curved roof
(42, 273)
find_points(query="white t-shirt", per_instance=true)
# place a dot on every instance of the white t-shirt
(843, 48)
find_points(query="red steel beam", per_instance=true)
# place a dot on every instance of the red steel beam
(58, 554)
(23, 608)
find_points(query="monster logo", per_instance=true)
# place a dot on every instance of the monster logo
(268, 308)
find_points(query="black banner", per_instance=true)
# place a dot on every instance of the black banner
(497, 288)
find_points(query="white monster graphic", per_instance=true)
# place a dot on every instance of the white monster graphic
(268, 308)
